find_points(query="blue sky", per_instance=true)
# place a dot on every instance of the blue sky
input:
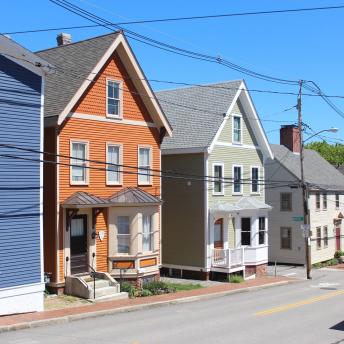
(291, 46)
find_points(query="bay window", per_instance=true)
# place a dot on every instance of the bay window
(147, 233)
(123, 234)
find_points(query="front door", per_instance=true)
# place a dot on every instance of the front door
(78, 244)
(218, 234)
(338, 238)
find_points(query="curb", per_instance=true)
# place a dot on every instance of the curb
(125, 309)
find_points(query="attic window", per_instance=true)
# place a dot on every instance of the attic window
(237, 132)
(114, 99)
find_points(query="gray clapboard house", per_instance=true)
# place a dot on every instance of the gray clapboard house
(21, 182)
(214, 225)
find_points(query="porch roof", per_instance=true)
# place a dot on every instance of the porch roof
(129, 196)
(244, 203)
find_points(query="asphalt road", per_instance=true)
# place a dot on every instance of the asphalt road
(304, 312)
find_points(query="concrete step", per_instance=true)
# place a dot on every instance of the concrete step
(100, 283)
(118, 296)
(106, 291)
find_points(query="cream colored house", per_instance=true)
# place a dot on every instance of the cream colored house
(326, 203)
(214, 225)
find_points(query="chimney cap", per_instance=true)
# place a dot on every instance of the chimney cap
(286, 126)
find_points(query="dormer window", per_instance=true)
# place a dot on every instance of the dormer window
(237, 129)
(114, 106)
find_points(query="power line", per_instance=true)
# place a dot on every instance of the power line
(168, 47)
(175, 19)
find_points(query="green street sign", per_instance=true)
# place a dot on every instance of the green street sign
(297, 218)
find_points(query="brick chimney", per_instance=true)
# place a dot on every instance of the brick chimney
(63, 39)
(290, 138)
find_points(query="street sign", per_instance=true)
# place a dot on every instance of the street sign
(298, 218)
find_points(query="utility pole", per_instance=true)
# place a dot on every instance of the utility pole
(304, 186)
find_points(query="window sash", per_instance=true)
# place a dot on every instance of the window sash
(218, 176)
(286, 201)
(78, 168)
(144, 165)
(123, 234)
(237, 179)
(325, 236)
(286, 238)
(262, 231)
(245, 234)
(113, 157)
(237, 129)
(337, 201)
(324, 201)
(147, 233)
(318, 229)
(254, 179)
(317, 201)
(113, 98)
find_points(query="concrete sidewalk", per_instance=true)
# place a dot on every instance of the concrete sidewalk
(29, 320)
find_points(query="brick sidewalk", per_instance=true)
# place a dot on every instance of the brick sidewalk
(29, 318)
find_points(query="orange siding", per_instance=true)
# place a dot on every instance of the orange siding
(94, 101)
(148, 262)
(102, 246)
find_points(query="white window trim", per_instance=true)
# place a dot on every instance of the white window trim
(241, 231)
(241, 129)
(241, 185)
(120, 82)
(120, 182)
(87, 174)
(222, 183)
(151, 165)
(258, 185)
(150, 233)
(335, 200)
(324, 196)
(265, 231)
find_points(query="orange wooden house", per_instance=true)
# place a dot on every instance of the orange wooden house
(103, 130)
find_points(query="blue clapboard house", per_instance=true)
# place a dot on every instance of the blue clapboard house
(21, 140)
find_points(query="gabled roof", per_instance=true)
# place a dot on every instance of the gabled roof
(341, 169)
(193, 128)
(20, 55)
(133, 196)
(317, 170)
(203, 112)
(78, 64)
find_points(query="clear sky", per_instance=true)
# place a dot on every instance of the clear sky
(292, 46)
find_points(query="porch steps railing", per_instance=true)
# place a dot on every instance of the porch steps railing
(228, 258)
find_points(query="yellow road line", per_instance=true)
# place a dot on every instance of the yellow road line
(299, 304)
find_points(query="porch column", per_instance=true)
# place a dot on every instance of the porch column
(211, 238)
(254, 230)
(237, 230)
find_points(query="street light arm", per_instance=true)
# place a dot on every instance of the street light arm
(332, 130)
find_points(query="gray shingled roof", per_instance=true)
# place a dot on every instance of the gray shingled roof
(132, 195)
(85, 199)
(193, 128)
(78, 60)
(316, 169)
(341, 169)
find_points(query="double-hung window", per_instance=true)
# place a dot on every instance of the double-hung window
(245, 231)
(286, 201)
(237, 129)
(218, 188)
(254, 179)
(325, 237)
(78, 162)
(317, 201)
(147, 233)
(286, 238)
(113, 164)
(324, 201)
(145, 165)
(123, 234)
(237, 183)
(113, 99)
(337, 201)
(262, 231)
(318, 230)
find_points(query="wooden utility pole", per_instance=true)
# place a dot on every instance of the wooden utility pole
(306, 227)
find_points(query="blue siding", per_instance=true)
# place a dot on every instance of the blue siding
(20, 101)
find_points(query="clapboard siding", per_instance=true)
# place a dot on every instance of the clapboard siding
(20, 107)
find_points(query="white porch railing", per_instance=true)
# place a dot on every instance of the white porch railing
(228, 258)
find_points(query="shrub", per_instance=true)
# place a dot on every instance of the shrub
(333, 261)
(146, 292)
(129, 288)
(236, 279)
(338, 254)
(158, 287)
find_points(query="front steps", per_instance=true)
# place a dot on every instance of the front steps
(106, 287)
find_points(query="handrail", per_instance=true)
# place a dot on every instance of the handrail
(93, 274)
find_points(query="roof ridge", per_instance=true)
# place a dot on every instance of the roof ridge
(200, 85)
(74, 43)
